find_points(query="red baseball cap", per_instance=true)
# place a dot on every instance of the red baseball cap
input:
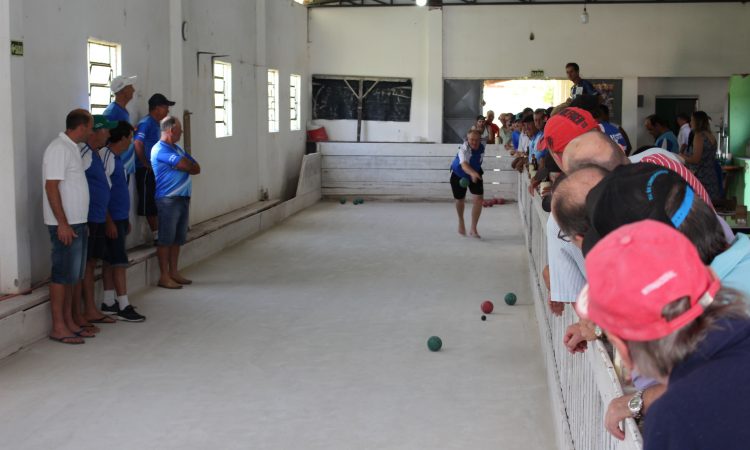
(565, 126)
(637, 270)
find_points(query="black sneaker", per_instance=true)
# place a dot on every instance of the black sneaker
(128, 314)
(114, 309)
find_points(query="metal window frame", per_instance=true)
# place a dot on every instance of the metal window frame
(113, 65)
(273, 102)
(227, 106)
(295, 115)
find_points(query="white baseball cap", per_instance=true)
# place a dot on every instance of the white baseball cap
(121, 82)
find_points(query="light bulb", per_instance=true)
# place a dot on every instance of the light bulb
(421, 2)
(585, 17)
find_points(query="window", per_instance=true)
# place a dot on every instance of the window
(295, 81)
(103, 66)
(223, 98)
(273, 101)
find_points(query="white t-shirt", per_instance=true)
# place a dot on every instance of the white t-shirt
(523, 143)
(684, 135)
(62, 161)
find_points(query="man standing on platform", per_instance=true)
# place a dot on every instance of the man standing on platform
(124, 90)
(147, 134)
(172, 167)
(66, 207)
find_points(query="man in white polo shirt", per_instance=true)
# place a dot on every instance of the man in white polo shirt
(66, 207)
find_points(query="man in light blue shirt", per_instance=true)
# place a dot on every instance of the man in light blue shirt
(124, 89)
(172, 168)
(665, 138)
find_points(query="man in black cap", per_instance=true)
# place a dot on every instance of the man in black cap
(147, 134)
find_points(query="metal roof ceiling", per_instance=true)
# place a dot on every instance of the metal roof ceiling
(439, 3)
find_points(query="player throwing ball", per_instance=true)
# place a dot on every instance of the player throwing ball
(466, 173)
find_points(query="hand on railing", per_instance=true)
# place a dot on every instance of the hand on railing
(617, 412)
(556, 308)
(577, 336)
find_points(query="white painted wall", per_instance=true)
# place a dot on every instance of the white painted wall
(712, 96)
(386, 42)
(621, 41)
(52, 80)
(55, 77)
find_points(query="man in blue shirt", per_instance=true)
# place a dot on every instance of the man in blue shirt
(147, 134)
(99, 194)
(117, 228)
(665, 138)
(124, 90)
(580, 86)
(172, 167)
(466, 173)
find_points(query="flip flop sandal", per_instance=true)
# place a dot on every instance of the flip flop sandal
(103, 319)
(80, 334)
(65, 340)
(178, 286)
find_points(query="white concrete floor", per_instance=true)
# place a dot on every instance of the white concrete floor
(310, 336)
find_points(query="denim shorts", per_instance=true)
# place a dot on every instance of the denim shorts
(116, 255)
(174, 213)
(69, 261)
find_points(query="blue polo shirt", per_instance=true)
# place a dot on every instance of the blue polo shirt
(583, 87)
(117, 113)
(468, 154)
(515, 136)
(149, 133)
(533, 144)
(170, 182)
(707, 402)
(733, 265)
(98, 184)
(119, 195)
(613, 132)
(668, 141)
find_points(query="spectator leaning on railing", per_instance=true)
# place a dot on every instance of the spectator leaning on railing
(669, 317)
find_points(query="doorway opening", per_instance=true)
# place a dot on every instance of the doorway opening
(512, 96)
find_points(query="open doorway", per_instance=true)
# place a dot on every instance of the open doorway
(503, 96)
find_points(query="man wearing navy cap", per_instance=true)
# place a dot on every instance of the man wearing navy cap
(148, 134)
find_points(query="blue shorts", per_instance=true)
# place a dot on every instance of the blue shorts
(69, 261)
(173, 214)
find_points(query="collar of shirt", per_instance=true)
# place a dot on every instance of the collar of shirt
(728, 260)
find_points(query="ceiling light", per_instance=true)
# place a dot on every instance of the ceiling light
(585, 15)
(421, 2)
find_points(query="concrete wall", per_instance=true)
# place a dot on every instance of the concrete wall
(711, 92)
(621, 41)
(51, 79)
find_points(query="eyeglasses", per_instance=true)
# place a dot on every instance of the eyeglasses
(562, 236)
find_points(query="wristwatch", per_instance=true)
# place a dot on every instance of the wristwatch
(598, 332)
(635, 405)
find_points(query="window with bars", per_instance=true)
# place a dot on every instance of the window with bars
(295, 83)
(223, 98)
(103, 66)
(273, 101)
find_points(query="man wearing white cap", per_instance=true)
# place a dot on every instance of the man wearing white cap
(123, 89)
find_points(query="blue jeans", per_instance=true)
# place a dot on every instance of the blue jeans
(69, 261)
(173, 215)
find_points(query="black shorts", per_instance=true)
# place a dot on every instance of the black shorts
(97, 248)
(116, 255)
(146, 186)
(459, 193)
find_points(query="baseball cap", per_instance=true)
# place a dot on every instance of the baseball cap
(159, 100)
(631, 193)
(121, 82)
(102, 123)
(565, 126)
(635, 272)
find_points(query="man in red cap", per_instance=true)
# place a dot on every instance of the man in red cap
(669, 318)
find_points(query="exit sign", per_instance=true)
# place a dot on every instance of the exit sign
(537, 74)
(16, 48)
